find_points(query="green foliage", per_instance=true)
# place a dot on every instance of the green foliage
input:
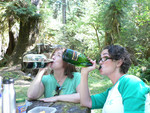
(135, 31)
(11, 74)
(142, 70)
(129, 19)
(22, 10)
(113, 14)
(145, 75)
(145, 70)
(134, 70)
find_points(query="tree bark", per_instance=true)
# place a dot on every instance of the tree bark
(28, 34)
(148, 53)
(22, 43)
(64, 11)
(108, 39)
(11, 45)
(98, 41)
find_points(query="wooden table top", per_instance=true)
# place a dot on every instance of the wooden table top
(62, 107)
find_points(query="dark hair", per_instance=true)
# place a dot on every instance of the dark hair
(117, 52)
(69, 68)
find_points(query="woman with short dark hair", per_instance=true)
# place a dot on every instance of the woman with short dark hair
(62, 84)
(129, 94)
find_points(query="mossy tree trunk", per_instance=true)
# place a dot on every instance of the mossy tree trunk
(28, 34)
(12, 43)
(22, 43)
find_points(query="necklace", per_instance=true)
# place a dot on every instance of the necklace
(60, 81)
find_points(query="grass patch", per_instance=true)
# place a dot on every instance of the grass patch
(98, 83)
(21, 92)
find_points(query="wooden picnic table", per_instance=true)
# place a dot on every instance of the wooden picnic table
(62, 107)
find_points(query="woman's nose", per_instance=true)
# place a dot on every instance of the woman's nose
(100, 62)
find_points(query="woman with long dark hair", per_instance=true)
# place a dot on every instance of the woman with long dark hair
(62, 84)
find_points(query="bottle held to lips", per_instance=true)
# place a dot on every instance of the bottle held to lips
(76, 58)
(35, 61)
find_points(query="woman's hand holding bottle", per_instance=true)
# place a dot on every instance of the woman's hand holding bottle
(90, 68)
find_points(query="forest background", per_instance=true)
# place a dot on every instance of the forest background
(83, 25)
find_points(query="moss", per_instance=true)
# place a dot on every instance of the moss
(66, 107)
(10, 74)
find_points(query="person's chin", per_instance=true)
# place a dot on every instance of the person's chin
(51, 66)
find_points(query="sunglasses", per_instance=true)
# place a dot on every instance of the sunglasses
(58, 89)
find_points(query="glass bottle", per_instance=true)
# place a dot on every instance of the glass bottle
(76, 58)
(35, 61)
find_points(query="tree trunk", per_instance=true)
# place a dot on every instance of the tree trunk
(108, 39)
(64, 11)
(28, 34)
(11, 45)
(98, 41)
(147, 54)
(22, 44)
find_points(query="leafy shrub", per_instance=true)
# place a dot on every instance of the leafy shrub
(145, 74)
(142, 70)
(134, 70)
(145, 70)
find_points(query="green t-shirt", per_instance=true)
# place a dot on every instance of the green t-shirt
(129, 95)
(69, 86)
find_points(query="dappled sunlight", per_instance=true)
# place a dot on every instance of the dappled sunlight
(94, 85)
(98, 83)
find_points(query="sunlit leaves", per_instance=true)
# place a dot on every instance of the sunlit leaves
(22, 10)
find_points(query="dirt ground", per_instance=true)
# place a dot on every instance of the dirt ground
(15, 72)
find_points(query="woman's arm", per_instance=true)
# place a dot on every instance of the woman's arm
(36, 88)
(75, 98)
(85, 99)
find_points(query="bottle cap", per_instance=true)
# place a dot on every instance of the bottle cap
(11, 80)
(6, 81)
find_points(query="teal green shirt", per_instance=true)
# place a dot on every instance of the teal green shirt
(69, 86)
(129, 95)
